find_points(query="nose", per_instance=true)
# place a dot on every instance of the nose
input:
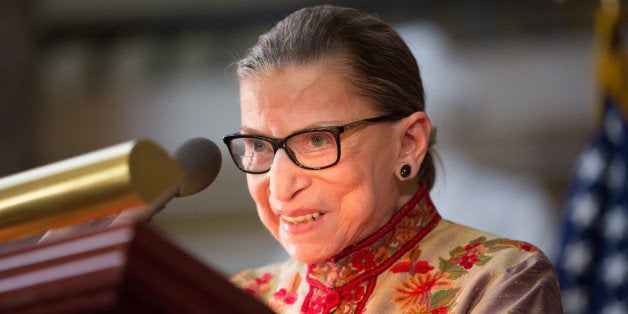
(285, 177)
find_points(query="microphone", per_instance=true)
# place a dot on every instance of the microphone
(124, 183)
(200, 160)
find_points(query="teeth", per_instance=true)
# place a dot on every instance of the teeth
(302, 219)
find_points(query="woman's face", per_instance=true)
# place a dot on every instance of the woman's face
(352, 199)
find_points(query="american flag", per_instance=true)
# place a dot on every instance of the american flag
(592, 265)
(593, 262)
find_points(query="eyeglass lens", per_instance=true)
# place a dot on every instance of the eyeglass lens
(313, 149)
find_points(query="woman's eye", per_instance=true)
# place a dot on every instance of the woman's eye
(320, 140)
(311, 142)
(258, 146)
(317, 140)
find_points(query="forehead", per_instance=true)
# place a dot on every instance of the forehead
(298, 97)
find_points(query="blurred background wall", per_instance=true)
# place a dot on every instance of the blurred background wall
(510, 87)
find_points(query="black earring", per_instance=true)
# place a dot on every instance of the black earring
(404, 172)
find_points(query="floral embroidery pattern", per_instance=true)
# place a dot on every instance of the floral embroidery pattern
(262, 287)
(355, 294)
(282, 295)
(346, 299)
(461, 259)
(253, 284)
(415, 293)
(429, 290)
(323, 302)
(363, 260)
(420, 267)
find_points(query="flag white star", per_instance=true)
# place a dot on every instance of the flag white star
(615, 224)
(614, 270)
(574, 300)
(615, 308)
(591, 166)
(577, 257)
(585, 209)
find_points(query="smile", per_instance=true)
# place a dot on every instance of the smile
(302, 219)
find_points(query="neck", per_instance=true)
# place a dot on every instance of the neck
(407, 189)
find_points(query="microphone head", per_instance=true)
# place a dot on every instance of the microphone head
(200, 159)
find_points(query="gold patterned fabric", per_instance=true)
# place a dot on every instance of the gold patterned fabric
(417, 263)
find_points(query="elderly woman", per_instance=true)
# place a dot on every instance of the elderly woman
(336, 145)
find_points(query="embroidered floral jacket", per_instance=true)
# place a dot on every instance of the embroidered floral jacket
(417, 263)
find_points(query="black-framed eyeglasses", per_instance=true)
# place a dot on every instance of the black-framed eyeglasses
(312, 149)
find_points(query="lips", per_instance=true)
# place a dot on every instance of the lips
(302, 219)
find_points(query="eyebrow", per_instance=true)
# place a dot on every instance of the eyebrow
(252, 131)
(247, 130)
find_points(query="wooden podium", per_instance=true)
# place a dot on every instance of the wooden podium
(124, 269)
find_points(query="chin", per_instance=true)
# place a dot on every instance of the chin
(309, 260)
(306, 256)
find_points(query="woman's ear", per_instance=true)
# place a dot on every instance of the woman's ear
(415, 138)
